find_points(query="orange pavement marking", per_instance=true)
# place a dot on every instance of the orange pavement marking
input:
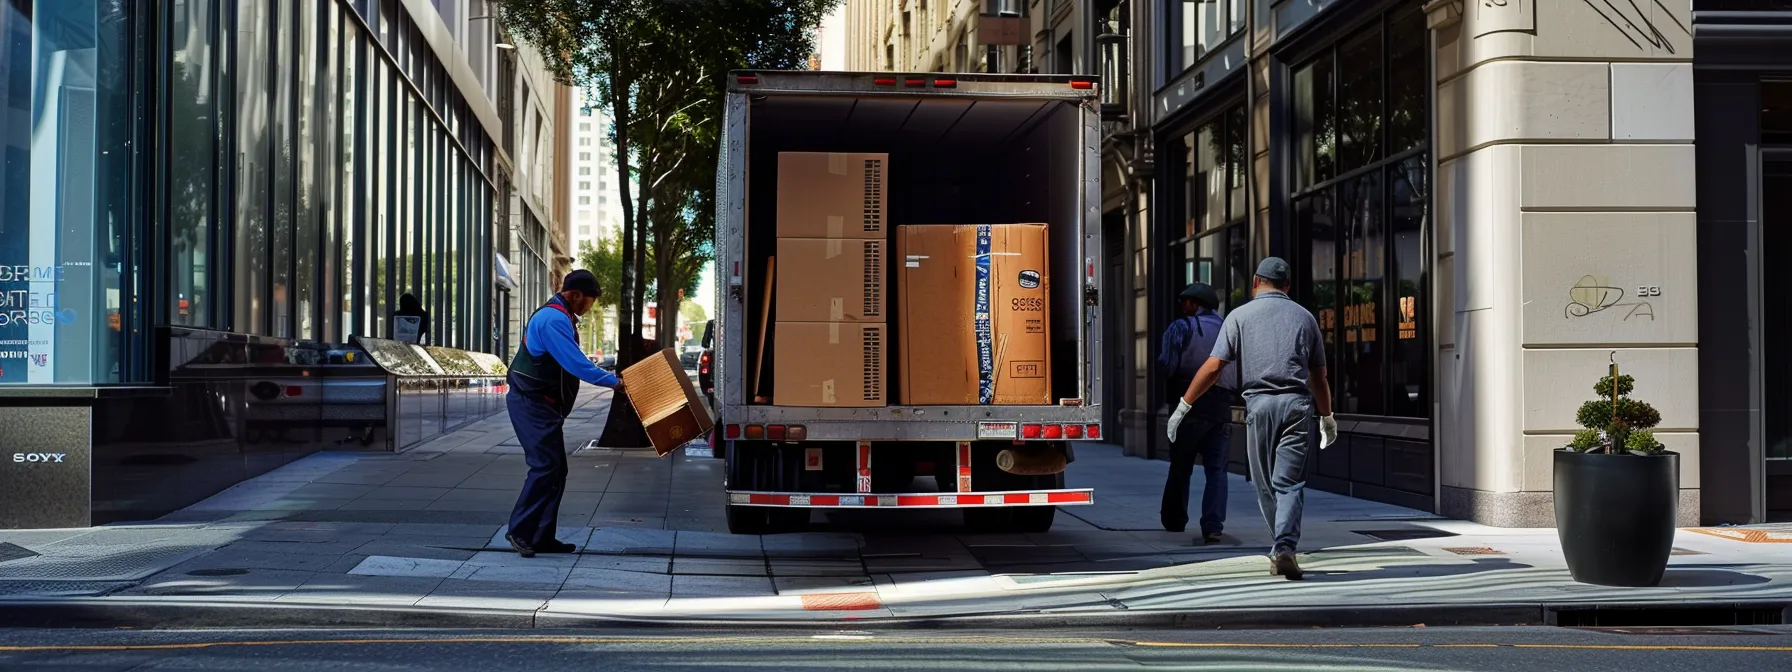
(1746, 535)
(841, 602)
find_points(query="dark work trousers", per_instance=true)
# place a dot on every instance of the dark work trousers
(540, 429)
(1210, 441)
(1281, 432)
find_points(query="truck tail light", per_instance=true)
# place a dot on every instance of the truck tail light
(945, 83)
(1053, 432)
(1031, 431)
(733, 431)
(884, 81)
(1073, 431)
(747, 79)
(1081, 84)
(796, 433)
(774, 432)
(755, 432)
(1093, 432)
(295, 391)
(915, 82)
(703, 363)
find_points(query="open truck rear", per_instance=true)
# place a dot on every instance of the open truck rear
(963, 149)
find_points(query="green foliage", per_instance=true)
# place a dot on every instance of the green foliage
(1624, 425)
(1642, 441)
(1587, 440)
(1626, 384)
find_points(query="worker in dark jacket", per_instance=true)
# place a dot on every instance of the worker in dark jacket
(1206, 430)
(544, 385)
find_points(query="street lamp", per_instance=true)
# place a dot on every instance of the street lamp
(500, 44)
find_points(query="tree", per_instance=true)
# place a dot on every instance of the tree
(660, 66)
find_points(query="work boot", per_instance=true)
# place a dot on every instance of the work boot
(556, 546)
(1211, 538)
(522, 547)
(1284, 565)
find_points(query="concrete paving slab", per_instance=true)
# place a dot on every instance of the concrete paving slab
(385, 565)
(614, 582)
(633, 541)
(719, 567)
(362, 590)
(816, 568)
(534, 574)
(627, 563)
(807, 585)
(721, 586)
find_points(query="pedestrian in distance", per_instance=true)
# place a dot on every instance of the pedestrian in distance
(1205, 432)
(410, 323)
(1275, 344)
(544, 386)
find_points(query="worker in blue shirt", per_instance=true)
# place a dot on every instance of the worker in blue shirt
(1205, 433)
(544, 385)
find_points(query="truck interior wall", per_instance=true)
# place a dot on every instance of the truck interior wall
(952, 161)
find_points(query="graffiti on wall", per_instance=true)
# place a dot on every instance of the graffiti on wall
(1592, 295)
(1640, 22)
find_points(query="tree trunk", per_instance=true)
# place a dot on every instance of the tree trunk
(628, 338)
(663, 282)
(638, 261)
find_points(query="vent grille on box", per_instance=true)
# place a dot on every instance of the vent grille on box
(874, 195)
(874, 271)
(874, 364)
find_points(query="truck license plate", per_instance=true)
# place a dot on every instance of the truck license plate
(998, 430)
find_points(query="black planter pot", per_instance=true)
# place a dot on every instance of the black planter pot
(1615, 515)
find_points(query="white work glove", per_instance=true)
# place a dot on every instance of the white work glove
(1176, 418)
(1328, 431)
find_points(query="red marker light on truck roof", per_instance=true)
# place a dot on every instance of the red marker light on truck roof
(747, 79)
(916, 82)
(945, 83)
(1081, 84)
(884, 81)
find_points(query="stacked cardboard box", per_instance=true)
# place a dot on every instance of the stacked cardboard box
(974, 315)
(829, 336)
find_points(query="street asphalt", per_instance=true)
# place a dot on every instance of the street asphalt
(1402, 649)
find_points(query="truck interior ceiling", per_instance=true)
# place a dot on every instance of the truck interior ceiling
(953, 160)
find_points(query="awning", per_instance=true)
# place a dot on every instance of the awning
(501, 274)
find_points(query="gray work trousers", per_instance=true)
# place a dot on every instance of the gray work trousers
(1281, 431)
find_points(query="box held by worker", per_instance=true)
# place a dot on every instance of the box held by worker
(973, 315)
(823, 195)
(829, 364)
(831, 280)
(666, 401)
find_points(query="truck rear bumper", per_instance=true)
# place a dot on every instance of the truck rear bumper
(915, 500)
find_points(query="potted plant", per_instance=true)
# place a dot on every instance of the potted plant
(1616, 490)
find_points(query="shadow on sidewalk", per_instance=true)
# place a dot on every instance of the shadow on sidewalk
(1409, 571)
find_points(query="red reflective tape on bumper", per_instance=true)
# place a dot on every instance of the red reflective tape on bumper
(1017, 498)
(918, 500)
(825, 500)
(779, 500)
(1068, 497)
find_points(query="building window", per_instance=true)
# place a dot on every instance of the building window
(584, 156)
(584, 127)
(1213, 245)
(1197, 27)
(584, 232)
(584, 200)
(584, 142)
(1361, 206)
(584, 170)
(584, 184)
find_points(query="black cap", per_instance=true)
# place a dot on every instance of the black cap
(1202, 294)
(1274, 270)
(581, 280)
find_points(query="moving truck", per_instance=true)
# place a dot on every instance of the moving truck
(907, 289)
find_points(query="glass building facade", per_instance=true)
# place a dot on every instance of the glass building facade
(204, 204)
(281, 168)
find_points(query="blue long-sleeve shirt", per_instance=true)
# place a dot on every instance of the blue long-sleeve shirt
(550, 332)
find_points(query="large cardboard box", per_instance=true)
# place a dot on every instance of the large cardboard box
(829, 364)
(666, 401)
(832, 195)
(831, 280)
(974, 316)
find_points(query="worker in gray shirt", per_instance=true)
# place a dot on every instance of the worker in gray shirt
(1276, 345)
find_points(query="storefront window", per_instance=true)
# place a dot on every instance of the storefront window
(192, 161)
(65, 264)
(1361, 207)
(1214, 244)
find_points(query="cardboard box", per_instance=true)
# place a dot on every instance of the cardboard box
(829, 364)
(974, 312)
(833, 280)
(666, 401)
(832, 195)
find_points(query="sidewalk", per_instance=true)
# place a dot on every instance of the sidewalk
(417, 538)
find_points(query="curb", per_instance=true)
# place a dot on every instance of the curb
(139, 614)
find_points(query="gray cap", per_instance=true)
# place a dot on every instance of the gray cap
(1274, 269)
(1201, 293)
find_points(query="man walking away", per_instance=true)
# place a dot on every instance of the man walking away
(544, 385)
(1206, 431)
(1276, 345)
